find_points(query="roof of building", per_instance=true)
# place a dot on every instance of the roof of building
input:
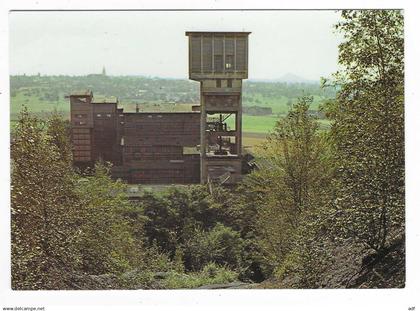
(160, 112)
(81, 93)
(158, 107)
(244, 33)
(104, 100)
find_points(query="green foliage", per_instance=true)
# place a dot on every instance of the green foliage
(221, 245)
(187, 225)
(210, 274)
(161, 222)
(44, 209)
(368, 126)
(366, 152)
(104, 203)
(173, 217)
(64, 224)
(311, 251)
(178, 262)
(155, 260)
(59, 132)
(294, 182)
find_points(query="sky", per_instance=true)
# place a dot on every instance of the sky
(153, 43)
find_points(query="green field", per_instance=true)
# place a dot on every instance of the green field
(36, 105)
(279, 104)
(256, 124)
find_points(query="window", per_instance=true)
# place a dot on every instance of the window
(218, 83)
(207, 54)
(218, 54)
(196, 54)
(241, 54)
(80, 115)
(108, 115)
(218, 63)
(98, 115)
(229, 53)
(229, 62)
(229, 83)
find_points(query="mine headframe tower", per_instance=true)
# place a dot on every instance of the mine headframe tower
(219, 61)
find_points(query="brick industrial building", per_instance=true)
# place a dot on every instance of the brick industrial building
(173, 147)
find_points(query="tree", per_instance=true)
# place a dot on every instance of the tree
(294, 181)
(65, 225)
(58, 130)
(107, 242)
(172, 218)
(368, 126)
(44, 209)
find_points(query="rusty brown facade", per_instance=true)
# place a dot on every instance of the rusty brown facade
(172, 147)
(144, 147)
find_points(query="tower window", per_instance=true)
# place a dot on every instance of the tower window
(229, 62)
(218, 63)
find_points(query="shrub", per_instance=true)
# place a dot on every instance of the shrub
(221, 245)
(210, 274)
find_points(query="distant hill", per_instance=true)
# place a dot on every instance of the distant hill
(287, 78)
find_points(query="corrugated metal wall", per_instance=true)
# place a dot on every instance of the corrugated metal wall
(82, 124)
(153, 147)
(215, 53)
(144, 147)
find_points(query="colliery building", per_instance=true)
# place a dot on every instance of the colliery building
(203, 144)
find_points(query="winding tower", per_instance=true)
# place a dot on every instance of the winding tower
(219, 61)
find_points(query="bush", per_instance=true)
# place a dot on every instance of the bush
(221, 245)
(107, 243)
(210, 274)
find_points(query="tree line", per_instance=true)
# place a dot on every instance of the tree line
(142, 89)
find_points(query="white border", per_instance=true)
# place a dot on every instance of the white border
(391, 299)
